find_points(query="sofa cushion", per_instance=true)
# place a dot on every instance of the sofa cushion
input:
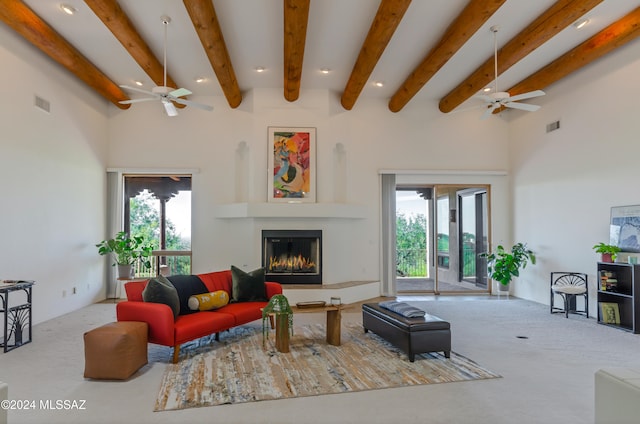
(187, 286)
(208, 301)
(200, 324)
(248, 286)
(134, 290)
(160, 290)
(217, 280)
(243, 312)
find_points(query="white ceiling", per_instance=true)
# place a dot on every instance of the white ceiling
(253, 31)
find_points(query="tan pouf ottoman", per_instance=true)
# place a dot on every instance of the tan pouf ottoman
(115, 351)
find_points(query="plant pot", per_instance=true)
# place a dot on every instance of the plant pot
(606, 257)
(502, 288)
(125, 271)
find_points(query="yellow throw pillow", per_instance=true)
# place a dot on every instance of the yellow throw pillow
(208, 301)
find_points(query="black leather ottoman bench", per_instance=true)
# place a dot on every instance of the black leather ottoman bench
(412, 335)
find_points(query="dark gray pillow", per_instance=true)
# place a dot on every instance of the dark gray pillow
(403, 309)
(186, 286)
(248, 286)
(160, 290)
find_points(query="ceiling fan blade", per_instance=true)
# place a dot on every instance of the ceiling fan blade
(138, 90)
(169, 108)
(522, 106)
(529, 95)
(194, 104)
(147, 99)
(180, 92)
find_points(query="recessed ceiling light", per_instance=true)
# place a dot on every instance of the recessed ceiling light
(325, 70)
(260, 69)
(378, 83)
(68, 9)
(581, 23)
(486, 89)
(139, 83)
(200, 79)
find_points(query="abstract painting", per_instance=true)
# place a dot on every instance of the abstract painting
(291, 153)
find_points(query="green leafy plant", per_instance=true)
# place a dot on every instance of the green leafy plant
(127, 250)
(278, 304)
(607, 249)
(503, 265)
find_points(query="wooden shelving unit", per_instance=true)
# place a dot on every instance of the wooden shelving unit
(625, 293)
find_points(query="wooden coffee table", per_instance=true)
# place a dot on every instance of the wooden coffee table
(334, 318)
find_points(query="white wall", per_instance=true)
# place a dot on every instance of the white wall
(565, 182)
(418, 138)
(52, 168)
(52, 181)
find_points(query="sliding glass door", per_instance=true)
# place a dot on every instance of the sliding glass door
(440, 230)
(463, 228)
(473, 227)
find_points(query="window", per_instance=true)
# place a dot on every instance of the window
(158, 207)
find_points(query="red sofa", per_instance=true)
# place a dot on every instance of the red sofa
(166, 331)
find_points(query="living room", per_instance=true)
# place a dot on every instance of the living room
(552, 190)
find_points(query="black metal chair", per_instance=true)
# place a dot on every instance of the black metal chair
(570, 285)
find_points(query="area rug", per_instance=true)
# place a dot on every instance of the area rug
(241, 368)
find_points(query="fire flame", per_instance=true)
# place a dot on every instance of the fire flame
(295, 263)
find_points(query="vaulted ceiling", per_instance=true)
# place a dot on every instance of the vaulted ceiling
(437, 50)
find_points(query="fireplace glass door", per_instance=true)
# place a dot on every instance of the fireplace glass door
(292, 256)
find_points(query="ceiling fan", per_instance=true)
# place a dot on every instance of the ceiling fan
(165, 94)
(498, 99)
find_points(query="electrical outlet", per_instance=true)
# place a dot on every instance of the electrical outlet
(74, 291)
(64, 293)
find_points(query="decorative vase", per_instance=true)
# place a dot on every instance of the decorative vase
(125, 271)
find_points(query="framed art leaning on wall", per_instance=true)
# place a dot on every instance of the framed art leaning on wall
(292, 164)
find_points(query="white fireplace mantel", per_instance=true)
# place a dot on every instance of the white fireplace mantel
(290, 210)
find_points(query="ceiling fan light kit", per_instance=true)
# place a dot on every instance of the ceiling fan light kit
(166, 95)
(499, 99)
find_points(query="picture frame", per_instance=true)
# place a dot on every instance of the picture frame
(625, 228)
(292, 164)
(610, 313)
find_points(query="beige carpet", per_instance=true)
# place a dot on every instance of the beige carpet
(240, 369)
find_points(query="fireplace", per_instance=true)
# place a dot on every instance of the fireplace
(292, 256)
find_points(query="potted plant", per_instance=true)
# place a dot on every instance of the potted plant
(609, 252)
(503, 265)
(127, 251)
(278, 306)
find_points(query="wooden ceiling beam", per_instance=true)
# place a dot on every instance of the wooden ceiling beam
(387, 19)
(296, 18)
(25, 22)
(474, 15)
(615, 35)
(560, 15)
(205, 21)
(114, 18)
(117, 21)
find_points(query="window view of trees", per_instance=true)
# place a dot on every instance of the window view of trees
(411, 242)
(145, 220)
(158, 208)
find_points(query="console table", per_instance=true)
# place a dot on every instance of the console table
(17, 318)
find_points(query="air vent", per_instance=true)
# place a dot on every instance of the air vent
(553, 126)
(43, 104)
